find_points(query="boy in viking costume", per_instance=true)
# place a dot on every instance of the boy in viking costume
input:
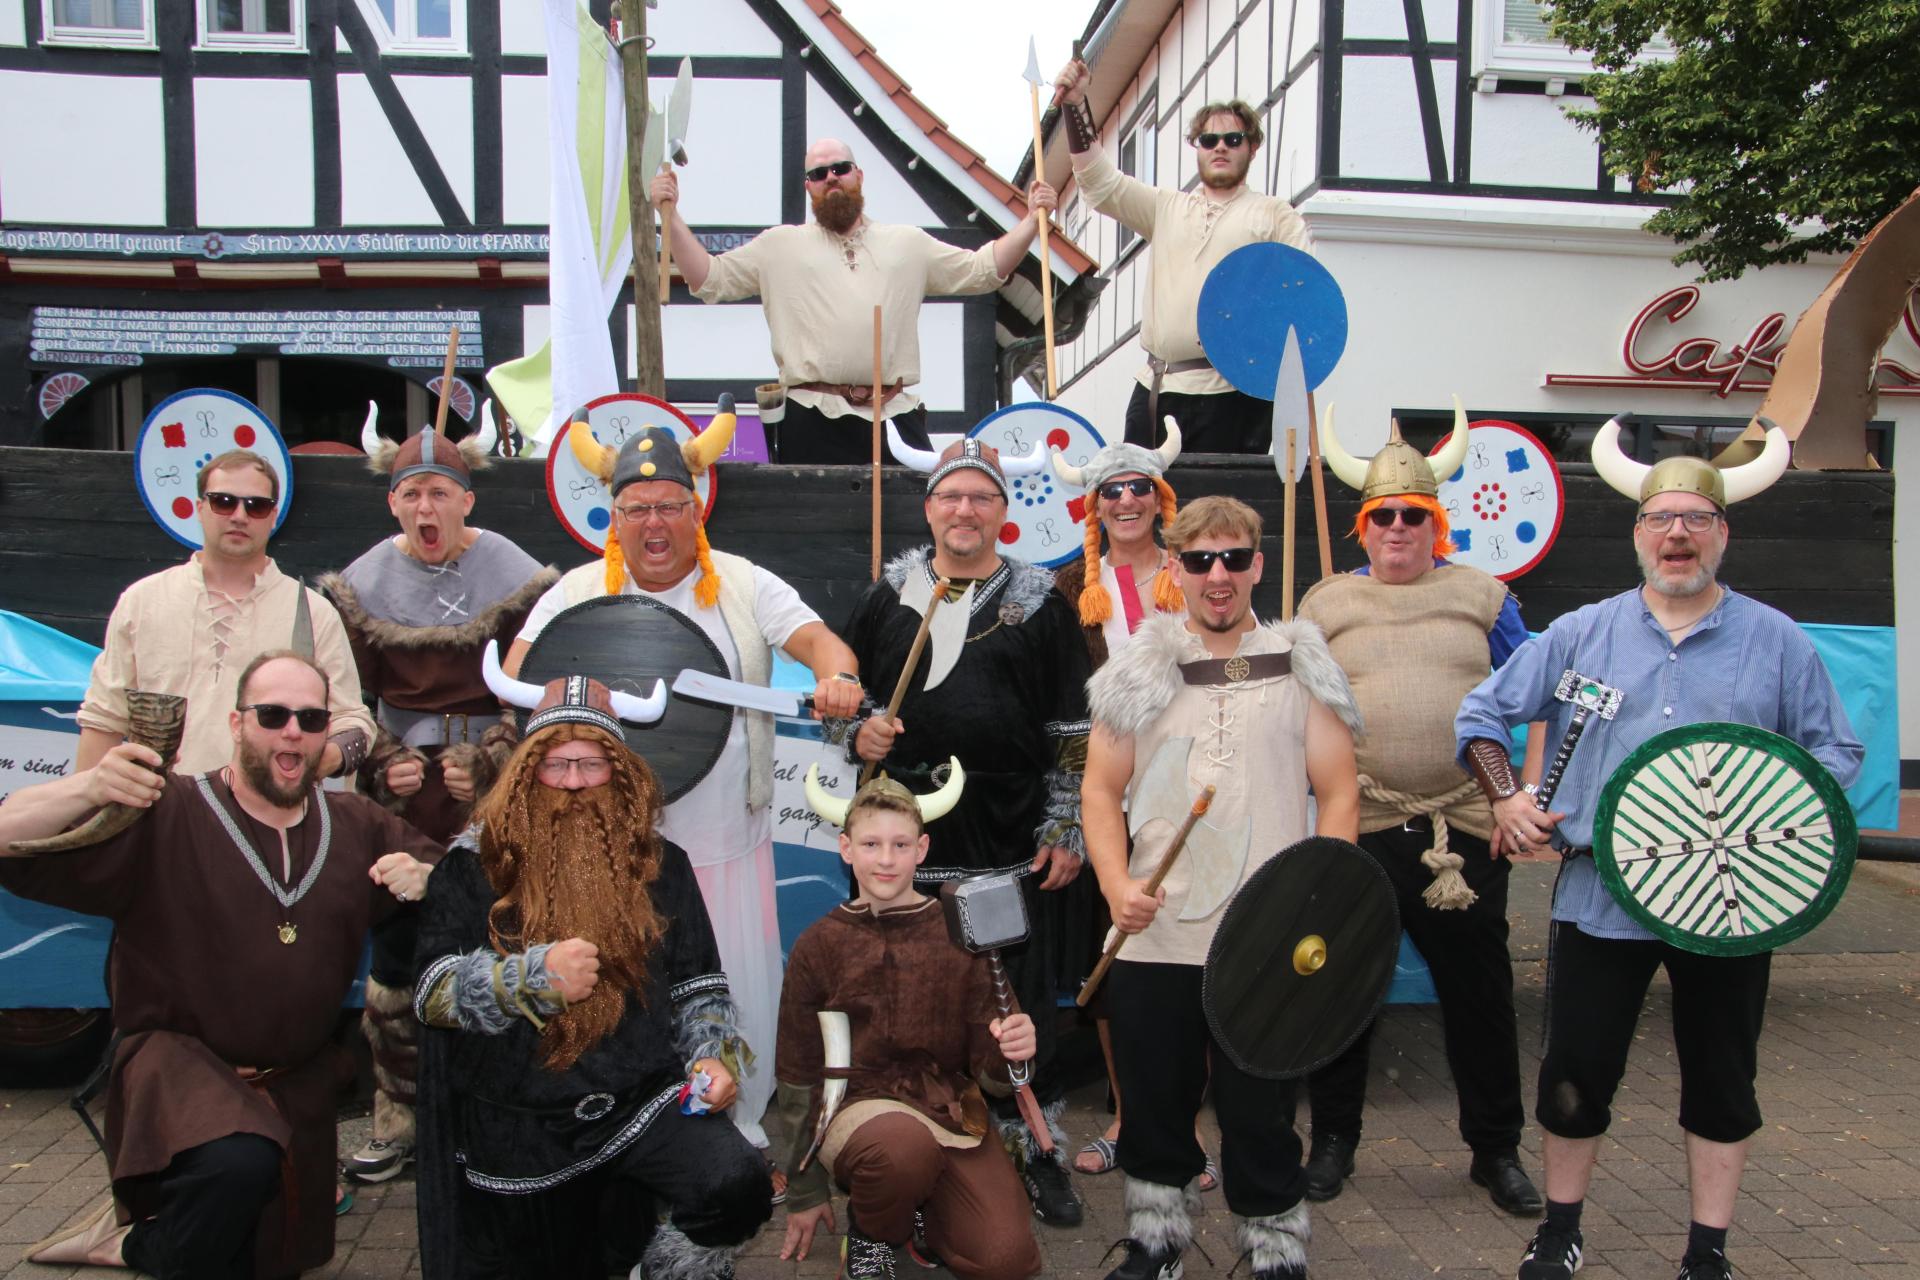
(891, 1093)
(1258, 712)
(999, 686)
(579, 1019)
(1680, 649)
(418, 609)
(657, 547)
(1414, 634)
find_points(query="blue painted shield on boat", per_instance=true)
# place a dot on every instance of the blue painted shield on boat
(1252, 298)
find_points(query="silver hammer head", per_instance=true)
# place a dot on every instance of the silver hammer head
(1587, 694)
(985, 912)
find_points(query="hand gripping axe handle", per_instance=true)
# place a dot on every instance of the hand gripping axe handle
(1194, 815)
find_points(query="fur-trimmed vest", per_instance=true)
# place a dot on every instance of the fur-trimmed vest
(588, 582)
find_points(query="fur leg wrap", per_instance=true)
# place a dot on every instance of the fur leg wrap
(671, 1256)
(1277, 1243)
(1018, 1138)
(1157, 1216)
(393, 1035)
(387, 751)
(1061, 825)
(708, 1026)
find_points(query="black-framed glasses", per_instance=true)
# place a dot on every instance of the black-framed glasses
(1412, 517)
(593, 769)
(839, 169)
(272, 715)
(1661, 521)
(639, 511)
(1208, 141)
(1237, 560)
(1139, 487)
(223, 504)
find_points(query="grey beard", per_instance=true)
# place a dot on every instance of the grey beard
(1701, 579)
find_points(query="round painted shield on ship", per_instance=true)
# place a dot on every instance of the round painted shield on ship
(578, 497)
(186, 431)
(1043, 515)
(1505, 503)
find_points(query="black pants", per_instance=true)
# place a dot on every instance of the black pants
(1466, 951)
(1595, 989)
(1230, 422)
(1163, 1052)
(211, 1198)
(806, 437)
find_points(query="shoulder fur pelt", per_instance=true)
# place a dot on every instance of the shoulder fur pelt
(478, 629)
(1125, 695)
(380, 461)
(1027, 584)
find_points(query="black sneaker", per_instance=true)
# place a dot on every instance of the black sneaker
(1711, 1265)
(1048, 1186)
(1142, 1263)
(864, 1258)
(1329, 1165)
(1552, 1254)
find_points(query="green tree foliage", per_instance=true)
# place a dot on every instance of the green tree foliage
(1782, 127)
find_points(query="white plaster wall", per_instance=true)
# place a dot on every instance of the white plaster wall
(889, 198)
(13, 21)
(1524, 139)
(724, 342)
(709, 27)
(82, 149)
(1376, 20)
(443, 108)
(734, 173)
(943, 384)
(1380, 132)
(523, 28)
(523, 149)
(378, 186)
(253, 152)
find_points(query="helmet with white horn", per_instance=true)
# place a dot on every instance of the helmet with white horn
(1720, 486)
(935, 804)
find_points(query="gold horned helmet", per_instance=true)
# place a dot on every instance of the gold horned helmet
(1719, 485)
(1398, 468)
(935, 804)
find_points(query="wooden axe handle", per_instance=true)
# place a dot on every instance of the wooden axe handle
(1194, 815)
(906, 672)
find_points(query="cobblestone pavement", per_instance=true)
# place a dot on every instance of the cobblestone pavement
(1832, 1191)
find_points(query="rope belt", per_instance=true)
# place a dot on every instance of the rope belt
(1449, 891)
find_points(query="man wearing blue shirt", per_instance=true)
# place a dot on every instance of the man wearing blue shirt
(1683, 649)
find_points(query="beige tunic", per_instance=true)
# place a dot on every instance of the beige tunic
(1190, 234)
(820, 309)
(170, 634)
(1411, 652)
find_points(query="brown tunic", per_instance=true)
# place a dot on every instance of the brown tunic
(201, 984)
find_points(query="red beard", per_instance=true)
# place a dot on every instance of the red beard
(839, 210)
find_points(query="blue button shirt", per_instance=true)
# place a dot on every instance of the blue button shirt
(1745, 663)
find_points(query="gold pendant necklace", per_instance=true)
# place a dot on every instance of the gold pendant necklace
(289, 933)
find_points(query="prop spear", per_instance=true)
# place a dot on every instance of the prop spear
(1290, 400)
(940, 588)
(1034, 81)
(650, 370)
(1194, 815)
(879, 374)
(446, 382)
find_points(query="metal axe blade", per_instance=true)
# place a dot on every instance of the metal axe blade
(947, 633)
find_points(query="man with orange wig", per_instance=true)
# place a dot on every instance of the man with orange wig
(657, 547)
(1415, 634)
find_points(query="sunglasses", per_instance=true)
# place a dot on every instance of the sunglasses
(1412, 517)
(1237, 560)
(272, 715)
(1208, 141)
(223, 504)
(1139, 488)
(839, 169)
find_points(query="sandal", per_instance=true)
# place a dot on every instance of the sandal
(1104, 1151)
(1209, 1175)
(779, 1178)
(342, 1200)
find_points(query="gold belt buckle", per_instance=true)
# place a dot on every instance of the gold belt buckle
(1237, 669)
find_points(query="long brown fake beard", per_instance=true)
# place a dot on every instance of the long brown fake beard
(576, 864)
(839, 210)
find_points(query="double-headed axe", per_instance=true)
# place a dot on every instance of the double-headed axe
(1199, 811)
(985, 913)
(679, 106)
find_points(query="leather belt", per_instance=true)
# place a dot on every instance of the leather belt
(434, 728)
(852, 394)
(1236, 670)
(1160, 369)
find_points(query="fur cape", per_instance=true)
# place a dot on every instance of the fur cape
(1027, 585)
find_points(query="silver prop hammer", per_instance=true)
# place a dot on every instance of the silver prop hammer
(984, 914)
(1589, 697)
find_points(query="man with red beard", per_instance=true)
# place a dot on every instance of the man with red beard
(584, 1024)
(1191, 232)
(819, 284)
(241, 900)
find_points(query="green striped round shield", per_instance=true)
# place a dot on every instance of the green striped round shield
(1724, 839)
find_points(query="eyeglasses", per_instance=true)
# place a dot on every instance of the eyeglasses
(1237, 560)
(1208, 141)
(223, 504)
(272, 715)
(952, 501)
(592, 768)
(641, 510)
(1412, 517)
(839, 169)
(1661, 521)
(1139, 488)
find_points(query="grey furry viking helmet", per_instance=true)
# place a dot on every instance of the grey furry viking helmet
(572, 699)
(1719, 485)
(1118, 460)
(426, 452)
(962, 455)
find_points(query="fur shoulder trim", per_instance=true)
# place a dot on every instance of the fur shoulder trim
(1136, 685)
(901, 565)
(478, 629)
(1315, 668)
(1028, 586)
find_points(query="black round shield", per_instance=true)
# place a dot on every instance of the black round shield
(1302, 959)
(626, 643)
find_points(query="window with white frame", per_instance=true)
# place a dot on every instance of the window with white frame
(123, 23)
(1137, 157)
(418, 26)
(252, 24)
(1515, 38)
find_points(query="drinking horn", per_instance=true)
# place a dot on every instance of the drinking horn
(154, 720)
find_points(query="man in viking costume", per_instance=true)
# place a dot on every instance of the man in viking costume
(579, 1021)
(891, 1091)
(241, 899)
(818, 284)
(191, 629)
(657, 547)
(1190, 232)
(997, 684)
(1681, 649)
(1414, 634)
(418, 609)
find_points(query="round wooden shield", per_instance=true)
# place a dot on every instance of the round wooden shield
(1505, 503)
(578, 497)
(1249, 301)
(1724, 839)
(1302, 959)
(186, 431)
(1043, 515)
(626, 643)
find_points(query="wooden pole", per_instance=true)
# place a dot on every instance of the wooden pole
(446, 383)
(1319, 489)
(906, 672)
(1046, 256)
(1194, 815)
(666, 247)
(879, 375)
(650, 373)
(1287, 538)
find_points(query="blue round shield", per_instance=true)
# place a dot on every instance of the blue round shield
(1252, 298)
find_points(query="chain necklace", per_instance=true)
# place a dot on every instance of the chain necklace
(288, 931)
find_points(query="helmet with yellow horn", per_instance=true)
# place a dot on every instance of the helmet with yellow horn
(1720, 486)
(935, 804)
(1399, 471)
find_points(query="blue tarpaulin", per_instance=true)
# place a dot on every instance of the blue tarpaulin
(1865, 668)
(38, 663)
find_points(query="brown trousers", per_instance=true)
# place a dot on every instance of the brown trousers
(976, 1211)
